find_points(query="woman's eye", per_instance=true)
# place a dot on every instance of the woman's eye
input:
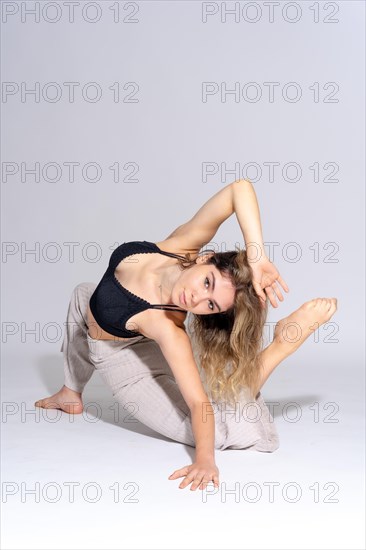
(211, 307)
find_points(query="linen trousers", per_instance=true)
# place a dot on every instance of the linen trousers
(138, 375)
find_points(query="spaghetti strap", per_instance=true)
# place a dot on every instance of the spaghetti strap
(171, 254)
(167, 306)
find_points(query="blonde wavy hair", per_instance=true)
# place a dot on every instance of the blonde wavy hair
(229, 343)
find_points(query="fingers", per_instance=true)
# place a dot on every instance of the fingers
(259, 291)
(179, 473)
(199, 479)
(200, 482)
(283, 284)
(187, 480)
(278, 292)
(215, 480)
(275, 291)
(271, 296)
(272, 290)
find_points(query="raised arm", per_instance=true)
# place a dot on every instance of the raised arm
(202, 227)
(247, 213)
(238, 197)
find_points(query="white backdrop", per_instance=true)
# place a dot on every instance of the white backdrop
(119, 120)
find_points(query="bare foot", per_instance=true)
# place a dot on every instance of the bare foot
(293, 330)
(66, 399)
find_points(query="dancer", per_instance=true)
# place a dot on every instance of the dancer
(197, 383)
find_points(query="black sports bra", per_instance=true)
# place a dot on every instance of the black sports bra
(111, 304)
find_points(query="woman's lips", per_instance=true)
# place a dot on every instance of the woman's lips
(183, 298)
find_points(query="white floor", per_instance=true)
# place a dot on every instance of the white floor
(96, 481)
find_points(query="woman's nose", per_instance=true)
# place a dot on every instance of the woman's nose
(197, 297)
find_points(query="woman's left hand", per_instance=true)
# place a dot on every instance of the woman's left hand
(201, 473)
(265, 276)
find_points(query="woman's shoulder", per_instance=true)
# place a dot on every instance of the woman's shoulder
(153, 323)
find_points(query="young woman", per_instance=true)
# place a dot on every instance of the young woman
(197, 384)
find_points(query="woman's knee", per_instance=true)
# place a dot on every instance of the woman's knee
(85, 288)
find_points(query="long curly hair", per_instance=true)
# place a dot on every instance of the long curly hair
(229, 343)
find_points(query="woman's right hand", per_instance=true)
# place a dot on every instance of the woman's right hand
(200, 473)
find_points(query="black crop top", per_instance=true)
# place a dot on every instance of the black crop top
(111, 304)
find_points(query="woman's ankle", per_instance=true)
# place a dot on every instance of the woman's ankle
(66, 388)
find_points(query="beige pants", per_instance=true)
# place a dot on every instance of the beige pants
(138, 374)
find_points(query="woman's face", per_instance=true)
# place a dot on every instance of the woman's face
(205, 290)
